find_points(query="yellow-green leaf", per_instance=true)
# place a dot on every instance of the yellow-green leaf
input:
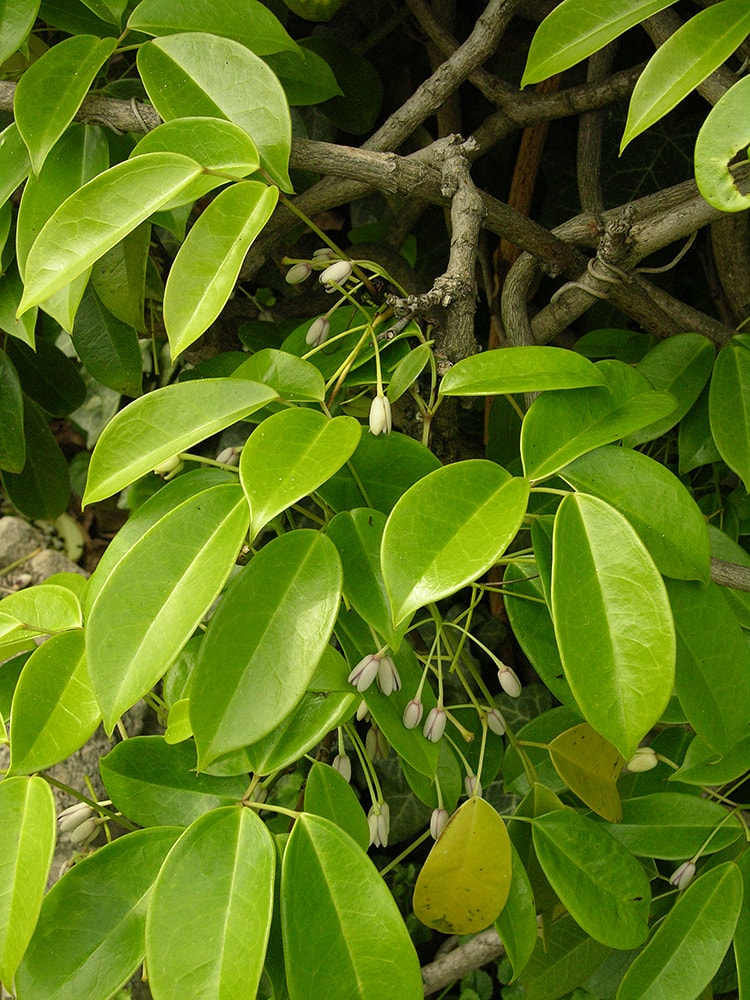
(590, 766)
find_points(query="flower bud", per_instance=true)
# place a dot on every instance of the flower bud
(363, 712)
(336, 274)
(343, 764)
(365, 672)
(496, 722)
(683, 876)
(376, 744)
(381, 419)
(318, 332)
(85, 831)
(74, 816)
(298, 273)
(228, 456)
(473, 785)
(644, 759)
(172, 464)
(388, 678)
(509, 682)
(379, 822)
(324, 253)
(437, 822)
(434, 727)
(413, 713)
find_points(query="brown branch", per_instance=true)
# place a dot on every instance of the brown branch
(728, 574)
(449, 968)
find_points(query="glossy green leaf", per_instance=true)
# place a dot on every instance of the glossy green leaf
(253, 24)
(464, 883)
(681, 366)
(577, 28)
(173, 572)
(317, 714)
(111, 205)
(22, 328)
(27, 815)
(199, 74)
(344, 938)
(48, 376)
(436, 539)
(723, 134)
(51, 91)
(210, 910)
(14, 160)
(108, 347)
(561, 961)
(108, 10)
(206, 267)
(603, 887)
(613, 621)
(673, 825)
(16, 21)
(685, 59)
(688, 946)
(54, 709)
(170, 420)
(713, 661)
(290, 455)
(741, 940)
(42, 488)
(264, 642)
(12, 443)
(155, 784)
(695, 442)
(328, 794)
(561, 425)
(517, 924)
(119, 277)
(305, 76)
(44, 608)
(702, 765)
(729, 408)
(93, 921)
(408, 370)
(520, 369)
(654, 501)
(295, 380)
(590, 766)
(541, 729)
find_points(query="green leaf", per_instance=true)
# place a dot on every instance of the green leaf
(464, 883)
(681, 366)
(42, 488)
(590, 766)
(11, 289)
(601, 884)
(436, 539)
(517, 924)
(51, 91)
(613, 621)
(198, 74)
(108, 347)
(729, 408)
(687, 949)
(327, 793)
(520, 369)
(264, 642)
(54, 709)
(163, 423)
(344, 938)
(16, 21)
(408, 370)
(702, 765)
(294, 380)
(685, 59)
(562, 424)
(713, 661)
(673, 825)
(289, 456)
(27, 815)
(741, 941)
(305, 76)
(662, 511)
(561, 961)
(357, 110)
(44, 608)
(173, 573)
(206, 267)
(253, 24)
(723, 134)
(97, 216)
(93, 921)
(210, 911)
(12, 443)
(695, 443)
(119, 277)
(577, 28)
(14, 159)
(48, 376)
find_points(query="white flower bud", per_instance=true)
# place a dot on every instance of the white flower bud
(336, 274)
(413, 714)
(434, 727)
(365, 672)
(438, 819)
(496, 722)
(168, 465)
(381, 419)
(324, 253)
(683, 876)
(509, 682)
(388, 678)
(376, 744)
(379, 823)
(298, 273)
(85, 831)
(228, 456)
(74, 816)
(644, 759)
(473, 785)
(363, 712)
(318, 332)
(343, 764)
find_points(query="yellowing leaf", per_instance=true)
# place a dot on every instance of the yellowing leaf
(590, 766)
(465, 881)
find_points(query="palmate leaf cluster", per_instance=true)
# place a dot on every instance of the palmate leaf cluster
(240, 596)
